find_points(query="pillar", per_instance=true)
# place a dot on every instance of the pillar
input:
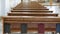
(23, 28)
(41, 28)
(6, 28)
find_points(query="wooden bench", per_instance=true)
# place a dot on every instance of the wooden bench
(32, 14)
(29, 5)
(31, 19)
(37, 11)
(33, 29)
(30, 9)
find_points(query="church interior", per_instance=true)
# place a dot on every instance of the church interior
(29, 16)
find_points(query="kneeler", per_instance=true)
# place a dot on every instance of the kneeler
(58, 28)
(23, 28)
(7, 28)
(41, 28)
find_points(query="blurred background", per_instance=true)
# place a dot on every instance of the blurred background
(7, 5)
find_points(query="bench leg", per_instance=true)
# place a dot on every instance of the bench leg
(23, 28)
(7, 28)
(41, 28)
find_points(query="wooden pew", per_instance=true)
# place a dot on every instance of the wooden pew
(32, 14)
(30, 9)
(29, 5)
(37, 11)
(36, 29)
(48, 27)
(33, 27)
(31, 19)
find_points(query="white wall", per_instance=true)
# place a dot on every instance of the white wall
(6, 6)
(0, 7)
(11, 4)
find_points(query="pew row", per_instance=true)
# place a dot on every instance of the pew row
(32, 14)
(31, 19)
(33, 29)
(30, 5)
(34, 25)
(41, 11)
(30, 9)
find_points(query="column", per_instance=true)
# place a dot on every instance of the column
(6, 28)
(23, 28)
(41, 28)
(58, 28)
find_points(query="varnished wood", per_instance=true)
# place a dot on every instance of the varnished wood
(46, 29)
(32, 14)
(34, 19)
(30, 5)
(34, 8)
(33, 25)
(29, 10)
(32, 29)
